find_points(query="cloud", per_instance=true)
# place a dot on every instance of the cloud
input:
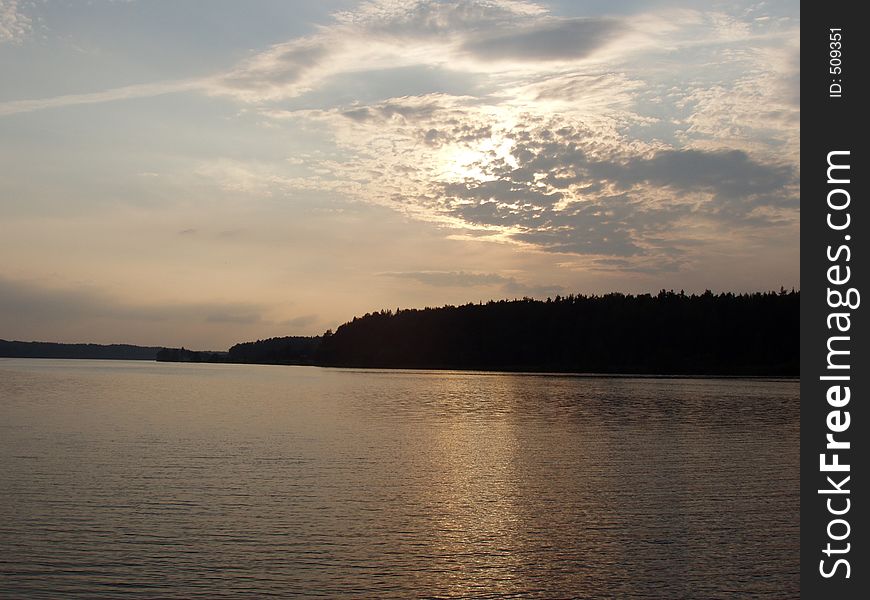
(451, 278)
(730, 173)
(475, 36)
(379, 35)
(646, 265)
(408, 109)
(427, 18)
(508, 286)
(14, 24)
(569, 135)
(145, 90)
(285, 70)
(561, 191)
(28, 305)
(757, 110)
(573, 182)
(552, 40)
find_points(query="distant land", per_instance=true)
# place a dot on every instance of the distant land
(671, 333)
(14, 349)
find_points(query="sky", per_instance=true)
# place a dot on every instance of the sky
(202, 173)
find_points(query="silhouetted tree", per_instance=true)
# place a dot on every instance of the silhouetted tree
(671, 332)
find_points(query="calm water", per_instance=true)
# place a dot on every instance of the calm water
(172, 480)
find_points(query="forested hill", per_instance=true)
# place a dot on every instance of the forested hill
(669, 333)
(54, 350)
(666, 334)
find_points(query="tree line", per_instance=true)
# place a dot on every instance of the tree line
(667, 333)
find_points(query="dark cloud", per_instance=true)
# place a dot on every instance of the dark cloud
(731, 174)
(553, 40)
(431, 137)
(471, 133)
(608, 225)
(595, 239)
(464, 133)
(492, 212)
(654, 191)
(359, 114)
(404, 108)
(499, 202)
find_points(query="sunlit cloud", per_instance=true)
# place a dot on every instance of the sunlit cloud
(145, 90)
(580, 182)
(14, 24)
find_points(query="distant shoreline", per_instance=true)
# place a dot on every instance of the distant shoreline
(611, 375)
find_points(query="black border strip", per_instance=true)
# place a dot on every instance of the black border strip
(834, 106)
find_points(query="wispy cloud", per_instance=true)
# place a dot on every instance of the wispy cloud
(144, 90)
(505, 285)
(451, 278)
(483, 37)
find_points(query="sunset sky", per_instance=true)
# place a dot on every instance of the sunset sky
(201, 173)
